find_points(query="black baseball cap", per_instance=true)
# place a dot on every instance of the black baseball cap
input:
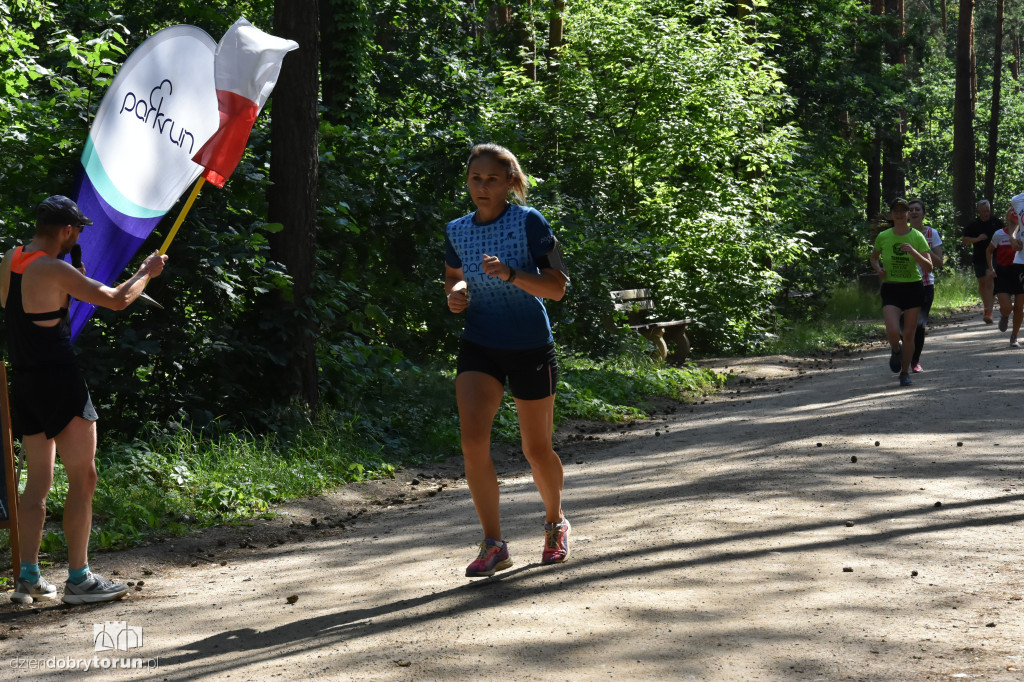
(59, 210)
(899, 201)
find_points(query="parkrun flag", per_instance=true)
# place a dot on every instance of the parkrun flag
(173, 111)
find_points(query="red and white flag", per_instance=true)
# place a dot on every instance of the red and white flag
(246, 67)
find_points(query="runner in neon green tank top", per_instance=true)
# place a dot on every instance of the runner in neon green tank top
(897, 254)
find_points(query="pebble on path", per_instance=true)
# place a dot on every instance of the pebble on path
(853, 459)
(292, 598)
(847, 569)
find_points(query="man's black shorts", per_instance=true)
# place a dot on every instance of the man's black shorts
(46, 400)
(1008, 279)
(903, 295)
(980, 268)
(531, 374)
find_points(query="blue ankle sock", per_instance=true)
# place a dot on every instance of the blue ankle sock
(29, 572)
(79, 575)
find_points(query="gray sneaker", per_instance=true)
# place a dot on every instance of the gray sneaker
(94, 588)
(26, 592)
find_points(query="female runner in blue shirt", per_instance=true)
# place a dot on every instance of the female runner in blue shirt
(500, 262)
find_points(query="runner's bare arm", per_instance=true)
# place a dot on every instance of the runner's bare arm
(119, 297)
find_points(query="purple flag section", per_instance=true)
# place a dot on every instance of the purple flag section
(116, 236)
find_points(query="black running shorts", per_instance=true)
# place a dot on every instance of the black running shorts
(1008, 279)
(46, 400)
(531, 374)
(903, 295)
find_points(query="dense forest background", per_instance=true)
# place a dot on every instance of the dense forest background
(724, 153)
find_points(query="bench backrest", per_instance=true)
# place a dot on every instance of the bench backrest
(628, 300)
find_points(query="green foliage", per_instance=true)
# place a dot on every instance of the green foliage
(666, 119)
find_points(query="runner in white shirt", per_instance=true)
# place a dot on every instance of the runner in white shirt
(1000, 255)
(1014, 232)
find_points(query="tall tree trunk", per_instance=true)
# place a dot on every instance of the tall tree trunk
(963, 122)
(1015, 51)
(555, 34)
(345, 29)
(944, 16)
(530, 43)
(893, 171)
(874, 198)
(873, 57)
(993, 124)
(974, 74)
(293, 193)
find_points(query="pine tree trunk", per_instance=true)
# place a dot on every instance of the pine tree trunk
(873, 202)
(292, 196)
(993, 126)
(874, 198)
(893, 170)
(1015, 51)
(963, 121)
(344, 39)
(530, 43)
(555, 33)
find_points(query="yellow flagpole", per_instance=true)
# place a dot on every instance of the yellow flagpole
(181, 216)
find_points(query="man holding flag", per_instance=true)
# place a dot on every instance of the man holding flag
(52, 410)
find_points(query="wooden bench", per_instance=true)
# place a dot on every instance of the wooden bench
(638, 305)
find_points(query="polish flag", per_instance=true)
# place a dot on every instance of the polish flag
(246, 67)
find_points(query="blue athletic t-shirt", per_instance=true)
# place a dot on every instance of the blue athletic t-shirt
(501, 315)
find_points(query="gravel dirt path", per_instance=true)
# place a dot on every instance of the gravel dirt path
(813, 521)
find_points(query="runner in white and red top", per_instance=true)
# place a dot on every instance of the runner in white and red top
(1017, 272)
(1000, 255)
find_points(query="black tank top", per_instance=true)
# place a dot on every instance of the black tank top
(30, 345)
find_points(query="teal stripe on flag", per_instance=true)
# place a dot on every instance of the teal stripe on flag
(106, 188)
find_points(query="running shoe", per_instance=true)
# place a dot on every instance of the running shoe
(917, 367)
(1014, 343)
(905, 379)
(556, 542)
(987, 317)
(1004, 322)
(895, 363)
(493, 557)
(93, 589)
(26, 592)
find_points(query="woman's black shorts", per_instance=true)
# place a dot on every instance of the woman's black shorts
(531, 374)
(903, 295)
(1008, 279)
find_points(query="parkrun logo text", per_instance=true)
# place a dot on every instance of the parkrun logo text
(149, 111)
